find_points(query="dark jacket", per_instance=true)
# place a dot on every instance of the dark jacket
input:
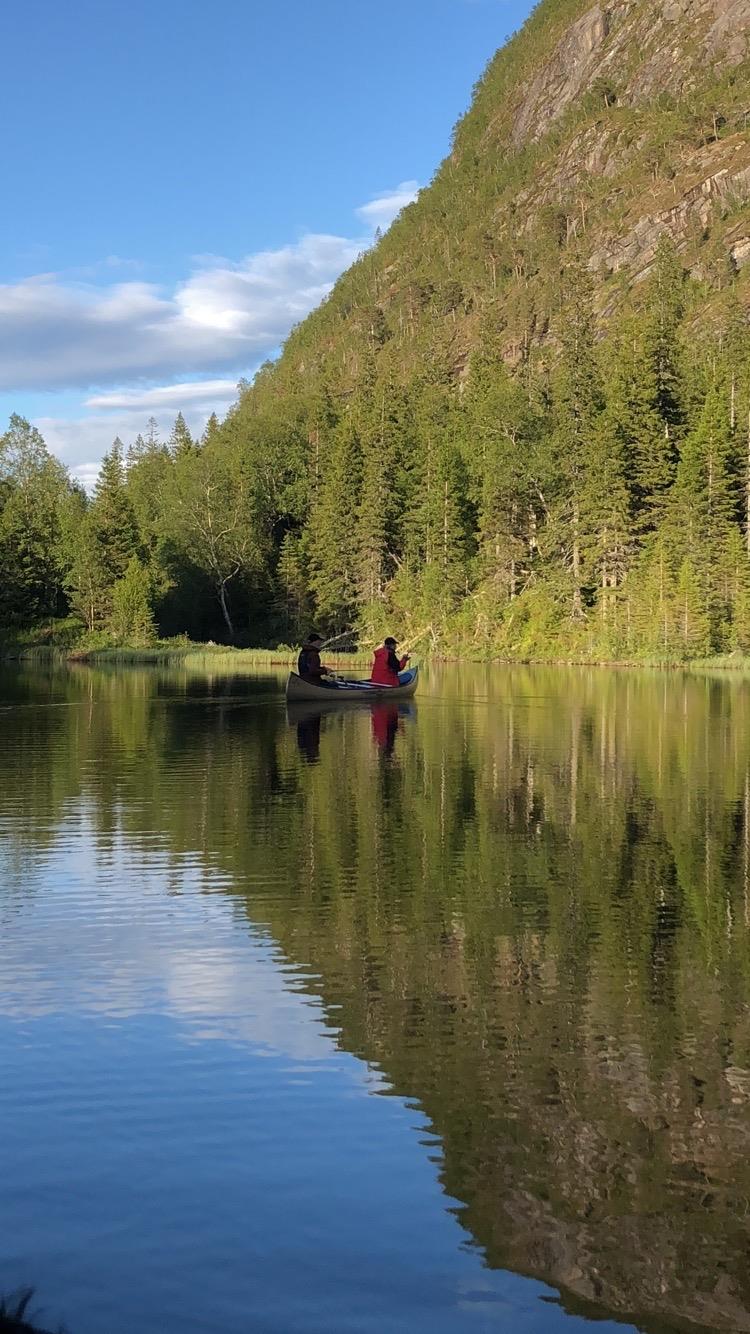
(308, 662)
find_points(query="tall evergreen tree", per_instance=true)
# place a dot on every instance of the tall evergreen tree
(181, 441)
(705, 505)
(576, 482)
(333, 542)
(34, 489)
(501, 431)
(663, 314)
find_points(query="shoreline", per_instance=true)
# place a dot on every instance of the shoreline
(186, 653)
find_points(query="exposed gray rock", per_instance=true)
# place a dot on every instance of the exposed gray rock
(564, 77)
(740, 252)
(730, 32)
(600, 43)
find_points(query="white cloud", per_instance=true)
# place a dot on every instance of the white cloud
(60, 334)
(125, 341)
(175, 396)
(69, 331)
(80, 442)
(381, 211)
(86, 474)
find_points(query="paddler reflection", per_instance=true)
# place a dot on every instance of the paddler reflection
(308, 736)
(386, 723)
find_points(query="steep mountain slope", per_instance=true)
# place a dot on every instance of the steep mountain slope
(603, 125)
(520, 424)
(516, 398)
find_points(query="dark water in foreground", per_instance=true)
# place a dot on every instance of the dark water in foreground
(435, 1020)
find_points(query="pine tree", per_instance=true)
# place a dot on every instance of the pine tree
(181, 441)
(294, 597)
(439, 520)
(211, 431)
(607, 543)
(634, 417)
(105, 544)
(693, 620)
(736, 564)
(650, 600)
(333, 537)
(663, 314)
(575, 445)
(706, 502)
(501, 429)
(380, 433)
(112, 515)
(132, 618)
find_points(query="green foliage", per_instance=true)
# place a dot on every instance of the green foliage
(132, 617)
(518, 424)
(35, 493)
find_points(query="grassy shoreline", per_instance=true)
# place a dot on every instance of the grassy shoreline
(168, 653)
(45, 648)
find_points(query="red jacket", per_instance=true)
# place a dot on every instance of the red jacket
(386, 667)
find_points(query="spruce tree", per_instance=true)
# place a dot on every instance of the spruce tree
(105, 544)
(293, 592)
(692, 616)
(333, 535)
(663, 315)
(131, 619)
(705, 504)
(379, 429)
(634, 416)
(113, 517)
(501, 430)
(181, 441)
(576, 454)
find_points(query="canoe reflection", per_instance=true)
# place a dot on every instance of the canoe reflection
(386, 719)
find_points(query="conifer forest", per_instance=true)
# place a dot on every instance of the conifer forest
(518, 427)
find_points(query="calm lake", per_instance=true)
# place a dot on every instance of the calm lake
(376, 1021)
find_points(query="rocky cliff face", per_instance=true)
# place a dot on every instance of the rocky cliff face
(640, 51)
(631, 53)
(594, 131)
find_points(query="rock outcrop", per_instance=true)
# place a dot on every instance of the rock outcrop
(635, 51)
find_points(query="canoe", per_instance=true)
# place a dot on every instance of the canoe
(348, 692)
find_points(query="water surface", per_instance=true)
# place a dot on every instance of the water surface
(376, 1020)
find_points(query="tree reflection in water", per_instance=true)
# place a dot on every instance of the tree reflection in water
(535, 919)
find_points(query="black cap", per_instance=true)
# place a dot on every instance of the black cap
(390, 642)
(314, 639)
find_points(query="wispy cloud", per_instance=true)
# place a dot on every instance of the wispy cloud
(175, 396)
(129, 349)
(381, 211)
(83, 331)
(80, 441)
(55, 333)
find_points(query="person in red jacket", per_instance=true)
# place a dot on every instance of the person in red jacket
(386, 666)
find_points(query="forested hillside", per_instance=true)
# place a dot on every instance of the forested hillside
(519, 425)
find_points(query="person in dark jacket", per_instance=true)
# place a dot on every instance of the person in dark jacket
(386, 666)
(309, 666)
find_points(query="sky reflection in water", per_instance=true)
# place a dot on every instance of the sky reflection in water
(225, 928)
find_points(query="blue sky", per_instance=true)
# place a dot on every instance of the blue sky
(184, 181)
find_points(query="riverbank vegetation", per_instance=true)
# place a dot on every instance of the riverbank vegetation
(496, 437)
(597, 508)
